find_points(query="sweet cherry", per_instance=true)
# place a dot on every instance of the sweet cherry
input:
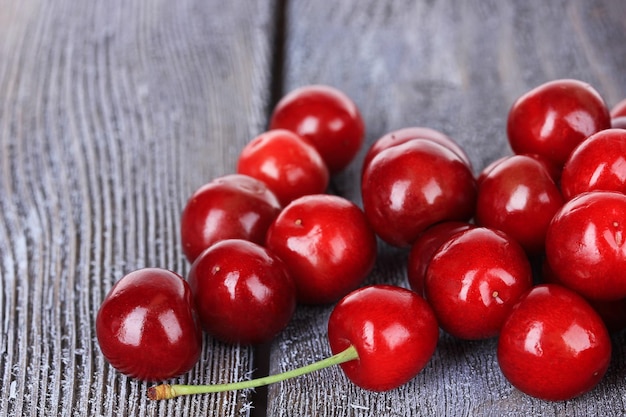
(289, 165)
(244, 293)
(519, 197)
(553, 345)
(382, 336)
(147, 326)
(586, 245)
(393, 330)
(598, 163)
(411, 186)
(473, 281)
(327, 118)
(551, 119)
(400, 136)
(425, 247)
(230, 207)
(327, 244)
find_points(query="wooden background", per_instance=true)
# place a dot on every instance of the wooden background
(113, 112)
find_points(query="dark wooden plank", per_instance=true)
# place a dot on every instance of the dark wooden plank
(111, 114)
(456, 67)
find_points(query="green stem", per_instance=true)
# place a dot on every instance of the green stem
(165, 391)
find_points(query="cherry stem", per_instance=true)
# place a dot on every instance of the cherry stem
(166, 391)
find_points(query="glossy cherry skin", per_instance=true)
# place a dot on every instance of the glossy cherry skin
(327, 118)
(409, 187)
(327, 244)
(585, 245)
(473, 281)
(244, 293)
(393, 330)
(553, 345)
(147, 326)
(400, 136)
(598, 163)
(551, 119)
(230, 207)
(289, 166)
(519, 197)
(425, 247)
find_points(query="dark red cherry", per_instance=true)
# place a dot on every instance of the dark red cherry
(393, 330)
(289, 165)
(147, 326)
(230, 207)
(519, 197)
(597, 164)
(244, 293)
(586, 245)
(327, 244)
(473, 281)
(327, 118)
(409, 187)
(551, 119)
(553, 345)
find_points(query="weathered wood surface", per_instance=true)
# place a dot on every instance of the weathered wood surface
(113, 112)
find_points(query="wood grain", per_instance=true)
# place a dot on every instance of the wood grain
(456, 67)
(111, 114)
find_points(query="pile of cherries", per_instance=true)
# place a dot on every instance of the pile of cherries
(269, 237)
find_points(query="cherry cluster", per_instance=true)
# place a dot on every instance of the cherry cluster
(269, 237)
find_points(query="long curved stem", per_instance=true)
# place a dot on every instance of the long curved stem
(166, 391)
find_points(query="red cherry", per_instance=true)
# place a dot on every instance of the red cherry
(289, 166)
(327, 118)
(598, 163)
(393, 330)
(382, 336)
(230, 207)
(619, 110)
(551, 119)
(409, 187)
(244, 293)
(147, 326)
(519, 197)
(425, 247)
(473, 281)
(585, 245)
(553, 345)
(326, 243)
(400, 136)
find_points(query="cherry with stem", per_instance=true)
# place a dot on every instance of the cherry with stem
(381, 335)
